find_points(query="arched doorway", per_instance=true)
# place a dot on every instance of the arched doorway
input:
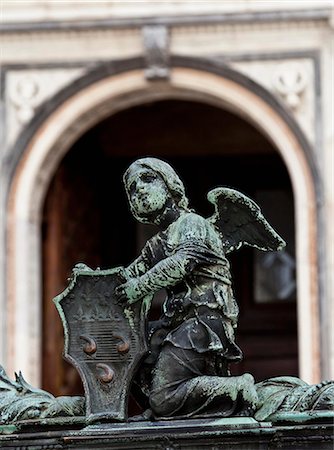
(86, 219)
(100, 94)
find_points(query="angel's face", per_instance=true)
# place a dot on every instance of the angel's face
(148, 194)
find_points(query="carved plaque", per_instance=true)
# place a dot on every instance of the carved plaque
(104, 340)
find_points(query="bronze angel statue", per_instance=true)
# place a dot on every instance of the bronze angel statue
(186, 373)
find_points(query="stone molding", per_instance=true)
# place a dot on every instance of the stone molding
(228, 67)
(267, 69)
(239, 433)
(271, 17)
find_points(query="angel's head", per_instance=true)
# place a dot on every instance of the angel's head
(152, 187)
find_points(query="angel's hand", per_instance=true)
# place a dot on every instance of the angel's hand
(128, 291)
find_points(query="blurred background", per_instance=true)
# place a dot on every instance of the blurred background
(236, 94)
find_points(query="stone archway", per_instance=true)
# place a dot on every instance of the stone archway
(102, 93)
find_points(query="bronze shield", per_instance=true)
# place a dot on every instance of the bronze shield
(105, 340)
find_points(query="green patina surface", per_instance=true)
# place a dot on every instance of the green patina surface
(19, 401)
(187, 257)
(8, 429)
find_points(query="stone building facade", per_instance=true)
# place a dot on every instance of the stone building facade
(65, 69)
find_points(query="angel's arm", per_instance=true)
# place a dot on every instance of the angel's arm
(168, 272)
(141, 264)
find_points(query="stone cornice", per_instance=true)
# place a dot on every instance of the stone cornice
(307, 15)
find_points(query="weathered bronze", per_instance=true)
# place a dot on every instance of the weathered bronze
(193, 344)
(19, 402)
(289, 399)
(103, 340)
(179, 366)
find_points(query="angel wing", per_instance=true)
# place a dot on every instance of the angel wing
(240, 222)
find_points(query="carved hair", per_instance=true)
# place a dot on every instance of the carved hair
(167, 173)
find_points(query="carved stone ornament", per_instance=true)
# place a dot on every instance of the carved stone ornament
(25, 96)
(103, 340)
(27, 89)
(156, 50)
(290, 81)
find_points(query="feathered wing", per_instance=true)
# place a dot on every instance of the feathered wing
(241, 222)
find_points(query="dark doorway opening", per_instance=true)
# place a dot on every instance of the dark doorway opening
(87, 219)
